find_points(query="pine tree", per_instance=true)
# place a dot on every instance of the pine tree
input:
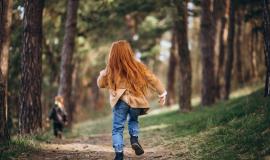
(66, 69)
(184, 56)
(207, 37)
(30, 120)
(5, 27)
(230, 50)
(266, 33)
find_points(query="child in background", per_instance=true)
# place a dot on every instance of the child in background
(59, 116)
(128, 81)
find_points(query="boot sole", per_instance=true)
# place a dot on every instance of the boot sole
(138, 149)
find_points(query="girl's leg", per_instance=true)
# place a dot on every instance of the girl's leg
(60, 129)
(120, 112)
(133, 124)
(55, 130)
(133, 128)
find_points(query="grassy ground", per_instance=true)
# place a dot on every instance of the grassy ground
(17, 147)
(235, 129)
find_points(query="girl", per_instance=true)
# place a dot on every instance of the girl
(58, 115)
(128, 81)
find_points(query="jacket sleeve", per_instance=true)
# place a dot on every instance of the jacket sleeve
(154, 83)
(64, 115)
(51, 114)
(101, 80)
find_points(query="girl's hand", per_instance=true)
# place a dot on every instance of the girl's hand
(162, 98)
(103, 72)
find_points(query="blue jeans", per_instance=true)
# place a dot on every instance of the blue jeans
(120, 113)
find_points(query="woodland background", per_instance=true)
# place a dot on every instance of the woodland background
(202, 50)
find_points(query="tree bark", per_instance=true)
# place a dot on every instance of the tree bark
(66, 68)
(221, 49)
(207, 38)
(30, 120)
(266, 33)
(239, 40)
(253, 62)
(221, 59)
(171, 70)
(52, 61)
(5, 27)
(230, 51)
(97, 99)
(184, 57)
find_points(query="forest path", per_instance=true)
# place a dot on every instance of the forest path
(164, 134)
(90, 148)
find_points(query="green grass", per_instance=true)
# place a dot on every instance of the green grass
(47, 135)
(235, 129)
(16, 147)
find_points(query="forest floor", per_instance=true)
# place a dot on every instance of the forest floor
(89, 148)
(234, 129)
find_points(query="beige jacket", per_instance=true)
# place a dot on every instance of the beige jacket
(124, 94)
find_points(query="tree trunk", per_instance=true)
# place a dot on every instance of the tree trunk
(184, 57)
(253, 62)
(5, 26)
(31, 63)
(266, 33)
(52, 61)
(66, 69)
(223, 7)
(97, 99)
(221, 59)
(207, 38)
(239, 40)
(230, 47)
(171, 70)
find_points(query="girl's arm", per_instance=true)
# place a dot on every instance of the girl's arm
(52, 114)
(154, 83)
(101, 80)
(157, 86)
(64, 115)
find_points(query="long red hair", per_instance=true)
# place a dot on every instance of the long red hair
(122, 65)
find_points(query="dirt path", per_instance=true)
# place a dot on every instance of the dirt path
(91, 148)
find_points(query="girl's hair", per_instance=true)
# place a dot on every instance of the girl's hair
(122, 65)
(59, 99)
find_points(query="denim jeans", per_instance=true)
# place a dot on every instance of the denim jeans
(120, 113)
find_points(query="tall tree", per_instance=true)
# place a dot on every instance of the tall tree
(239, 40)
(31, 67)
(266, 33)
(207, 39)
(5, 26)
(66, 68)
(230, 50)
(222, 21)
(253, 62)
(172, 69)
(184, 56)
